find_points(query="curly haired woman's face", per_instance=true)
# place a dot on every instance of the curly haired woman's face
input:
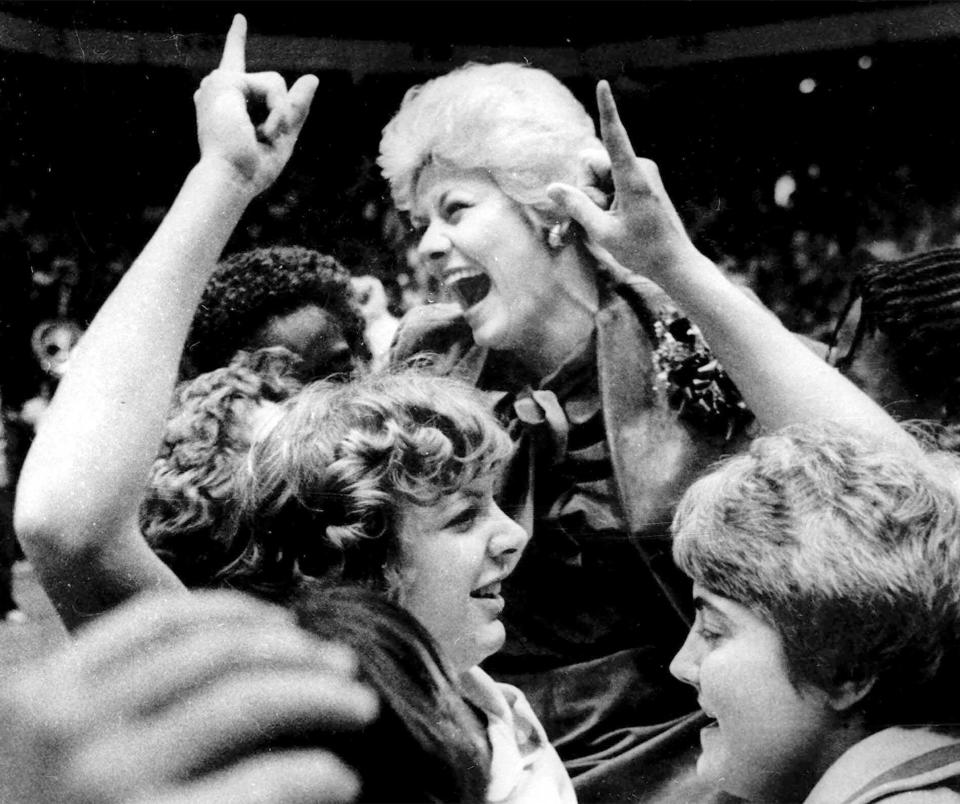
(453, 557)
(481, 246)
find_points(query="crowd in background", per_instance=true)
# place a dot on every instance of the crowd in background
(798, 252)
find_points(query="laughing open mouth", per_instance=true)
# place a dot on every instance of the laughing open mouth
(470, 287)
(490, 591)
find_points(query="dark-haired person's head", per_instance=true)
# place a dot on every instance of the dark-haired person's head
(899, 338)
(281, 296)
(428, 744)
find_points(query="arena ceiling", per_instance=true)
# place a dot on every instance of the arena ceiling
(530, 22)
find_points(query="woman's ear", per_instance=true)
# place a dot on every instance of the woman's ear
(847, 694)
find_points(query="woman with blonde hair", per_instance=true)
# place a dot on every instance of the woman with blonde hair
(561, 279)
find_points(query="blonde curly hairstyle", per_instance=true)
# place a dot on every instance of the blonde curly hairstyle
(189, 512)
(518, 124)
(324, 489)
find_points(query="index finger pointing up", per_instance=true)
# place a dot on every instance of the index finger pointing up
(234, 50)
(614, 135)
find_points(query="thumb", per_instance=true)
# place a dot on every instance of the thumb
(574, 203)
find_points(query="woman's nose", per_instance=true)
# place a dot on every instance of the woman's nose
(685, 666)
(509, 538)
(434, 245)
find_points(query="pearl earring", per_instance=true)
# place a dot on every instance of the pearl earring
(557, 235)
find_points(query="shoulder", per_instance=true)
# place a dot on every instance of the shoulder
(897, 764)
(927, 795)
(525, 768)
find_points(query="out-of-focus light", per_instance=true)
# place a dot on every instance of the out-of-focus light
(865, 62)
(814, 171)
(807, 85)
(783, 189)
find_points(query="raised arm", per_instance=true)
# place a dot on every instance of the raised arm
(84, 477)
(780, 377)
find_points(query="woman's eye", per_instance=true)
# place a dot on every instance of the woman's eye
(465, 519)
(706, 631)
(707, 635)
(453, 209)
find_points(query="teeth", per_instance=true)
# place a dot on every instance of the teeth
(460, 273)
(491, 590)
(468, 285)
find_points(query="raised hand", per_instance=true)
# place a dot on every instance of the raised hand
(641, 229)
(255, 153)
(174, 699)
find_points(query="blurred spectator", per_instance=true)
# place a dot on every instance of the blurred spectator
(9, 550)
(381, 326)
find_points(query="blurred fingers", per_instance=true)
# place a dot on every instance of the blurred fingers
(237, 716)
(289, 777)
(149, 621)
(168, 672)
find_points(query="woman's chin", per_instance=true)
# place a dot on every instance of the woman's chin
(489, 642)
(710, 769)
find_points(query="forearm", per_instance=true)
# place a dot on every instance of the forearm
(84, 476)
(782, 380)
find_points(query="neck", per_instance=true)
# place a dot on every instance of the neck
(570, 321)
(832, 746)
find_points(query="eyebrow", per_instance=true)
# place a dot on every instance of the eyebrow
(417, 220)
(701, 603)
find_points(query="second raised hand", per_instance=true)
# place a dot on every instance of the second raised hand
(641, 230)
(257, 153)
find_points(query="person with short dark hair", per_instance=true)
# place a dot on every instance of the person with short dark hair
(280, 296)
(898, 337)
(827, 641)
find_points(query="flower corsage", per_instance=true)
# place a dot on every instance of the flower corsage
(696, 384)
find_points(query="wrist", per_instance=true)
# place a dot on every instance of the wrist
(221, 174)
(679, 265)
